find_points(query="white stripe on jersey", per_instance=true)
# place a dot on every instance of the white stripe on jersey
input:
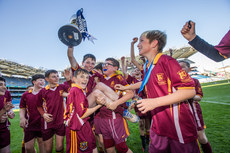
(196, 115)
(176, 121)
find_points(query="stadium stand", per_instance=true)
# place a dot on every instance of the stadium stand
(17, 78)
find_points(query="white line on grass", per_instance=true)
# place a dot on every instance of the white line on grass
(215, 102)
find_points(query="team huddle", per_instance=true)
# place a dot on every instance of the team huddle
(91, 108)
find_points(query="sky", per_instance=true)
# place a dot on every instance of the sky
(29, 29)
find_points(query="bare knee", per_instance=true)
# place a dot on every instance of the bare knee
(30, 149)
(59, 143)
(48, 144)
(5, 149)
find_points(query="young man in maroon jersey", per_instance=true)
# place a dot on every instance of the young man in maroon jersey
(167, 87)
(5, 107)
(51, 107)
(197, 112)
(30, 118)
(112, 125)
(79, 135)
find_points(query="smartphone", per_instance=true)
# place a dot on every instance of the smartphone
(189, 24)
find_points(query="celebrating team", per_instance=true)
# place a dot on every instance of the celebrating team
(93, 104)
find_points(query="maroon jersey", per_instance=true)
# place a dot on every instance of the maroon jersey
(3, 100)
(224, 46)
(167, 77)
(197, 112)
(91, 84)
(29, 103)
(111, 81)
(198, 88)
(77, 105)
(78, 130)
(52, 102)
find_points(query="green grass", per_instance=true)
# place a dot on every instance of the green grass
(216, 117)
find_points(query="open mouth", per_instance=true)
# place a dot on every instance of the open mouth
(2, 91)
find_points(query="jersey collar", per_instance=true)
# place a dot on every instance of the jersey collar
(48, 87)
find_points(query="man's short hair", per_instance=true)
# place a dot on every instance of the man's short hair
(184, 61)
(114, 61)
(37, 76)
(156, 35)
(47, 73)
(99, 67)
(86, 56)
(79, 71)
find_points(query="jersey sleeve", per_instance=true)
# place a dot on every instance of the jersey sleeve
(22, 104)
(178, 78)
(66, 86)
(39, 102)
(198, 88)
(9, 98)
(122, 80)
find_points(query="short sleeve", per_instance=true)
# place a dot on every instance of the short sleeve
(198, 88)
(23, 101)
(178, 77)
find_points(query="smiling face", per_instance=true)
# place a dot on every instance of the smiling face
(2, 88)
(144, 46)
(89, 64)
(53, 78)
(39, 83)
(109, 68)
(81, 79)
(137, 73)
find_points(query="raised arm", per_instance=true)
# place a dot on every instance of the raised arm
(132, 54)
(71, 58)
(199, 44)
(124, 71)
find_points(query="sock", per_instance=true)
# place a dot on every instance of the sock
(23, 147)
(147, 138)
(61, 151)
(143, 142)
(206, 148)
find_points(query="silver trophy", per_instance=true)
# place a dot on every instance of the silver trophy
(70, 34)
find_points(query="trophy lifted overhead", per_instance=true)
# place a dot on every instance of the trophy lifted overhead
(73, 33)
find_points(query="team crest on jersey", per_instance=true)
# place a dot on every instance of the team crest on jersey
(160, 79)
(61, 92)
(83, 145)
(184, 76)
